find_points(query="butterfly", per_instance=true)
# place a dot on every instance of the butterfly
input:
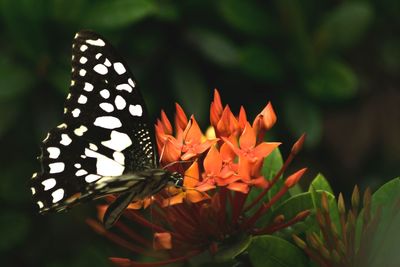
(104, 144)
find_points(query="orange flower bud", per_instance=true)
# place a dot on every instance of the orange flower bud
(162, 241)
(294, 178)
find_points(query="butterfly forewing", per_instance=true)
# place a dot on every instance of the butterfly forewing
(104, 134)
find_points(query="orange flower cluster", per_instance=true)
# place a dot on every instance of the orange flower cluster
(220, 170)
(231, 158)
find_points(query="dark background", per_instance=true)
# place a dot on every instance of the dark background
(331, 69)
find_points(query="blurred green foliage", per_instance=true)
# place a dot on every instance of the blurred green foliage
(329, 67)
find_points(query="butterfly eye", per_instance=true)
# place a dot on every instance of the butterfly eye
(177, 179)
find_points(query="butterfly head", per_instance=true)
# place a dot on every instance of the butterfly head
(176, 179)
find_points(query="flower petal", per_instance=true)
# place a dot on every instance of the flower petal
(248, 138)
(180, 117)
(195, 196)
(176, 199)
(228, 124)
(227, 153)
(240, 187)
(192, 176)
(171, 151)
(166, 123)
(264, 149)
(242, 118)
(213, 162)
(192, 132)
(205, 186)
(215, 109)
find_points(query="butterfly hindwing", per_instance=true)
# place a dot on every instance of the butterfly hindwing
(104, 134)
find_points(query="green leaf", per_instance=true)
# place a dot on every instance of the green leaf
(119, 13)
(320, 183)
(345, 25)
(261, 63)
(272, 164)
(272, 251)
(303, 116)
(216, 47)
(386, 194)
(295, 190)
(295, 204)
(301, 202)
(14, 227)
(387, 236)
(247, 16)
(232, 247)
(333, 80)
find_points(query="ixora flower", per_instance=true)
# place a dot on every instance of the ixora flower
(225, 195)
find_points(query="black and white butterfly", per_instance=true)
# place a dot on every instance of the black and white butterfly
(104, 144)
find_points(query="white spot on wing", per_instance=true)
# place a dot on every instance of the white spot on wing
(82, 72)
(120, 102)
(91, 178)
(82, 99)
(77, 165)
(40, 204)
(97, 42)
(107, 62)
(65, 140)
(107, 107)
(34, 175)
(62, 126)
(88, 87)
(119, 68)
(104, 165)
(54, 152)
(118, 142)
(131, 82)
(49, 183)
(56, 167)
(98, 55)
(136, 110)
(33, 190)
(83, 48)
(83, 60)
(100, 69)
(119, 157)
(105, 93)
(80, 131)
(72, 82)
(108, 122)
(76, 112)
(124, 86)
(81, 173)
(57, 195)
(93, 147)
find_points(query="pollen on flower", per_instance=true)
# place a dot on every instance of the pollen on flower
(222, 167)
